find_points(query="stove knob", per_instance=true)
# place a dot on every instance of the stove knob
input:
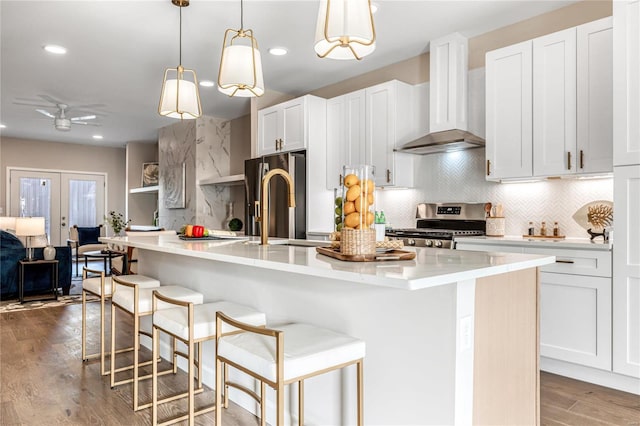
(411, 242)
(438, 243)
(428, 243)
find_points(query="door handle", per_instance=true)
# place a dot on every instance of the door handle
(568, 160)
(564, 261)
(581, 159)
(488, 167)
(388, 175)
(63, 224)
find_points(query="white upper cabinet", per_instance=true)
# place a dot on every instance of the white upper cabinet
(448, 85)
(508, 112)
(282, 127)
(566, 125)
(345, 134)
(594, 147)
(390, 123)
(554, 103)
(626, 14)
(365, 127)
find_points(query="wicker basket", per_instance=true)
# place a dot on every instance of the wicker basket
(357, 241)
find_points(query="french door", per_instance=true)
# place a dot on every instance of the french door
(63, 199)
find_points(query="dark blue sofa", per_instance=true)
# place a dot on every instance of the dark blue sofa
(38, 279)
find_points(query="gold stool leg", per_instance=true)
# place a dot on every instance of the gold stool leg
(84, 325)
(360, 394)
(102, 318)
(191, 389)
(154, 378)
(136, 353)
(226, 387)
(263, 404)
(218, 391)
(113, 345)
(301, 402)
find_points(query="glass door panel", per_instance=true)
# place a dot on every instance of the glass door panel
(37, 194)
(82, 200)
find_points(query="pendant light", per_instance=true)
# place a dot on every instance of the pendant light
(345, 29)
(180, 97)
(240, 66)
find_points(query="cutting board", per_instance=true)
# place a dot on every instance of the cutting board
(388, 255)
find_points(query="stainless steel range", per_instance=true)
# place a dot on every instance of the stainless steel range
(437, 224)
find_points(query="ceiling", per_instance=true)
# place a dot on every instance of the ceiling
(117, 52)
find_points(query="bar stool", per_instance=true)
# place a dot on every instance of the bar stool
(193, 325)
(136, 301)
(277, 358)
(94, 282)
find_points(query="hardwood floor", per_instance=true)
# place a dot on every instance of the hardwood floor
(43, 381)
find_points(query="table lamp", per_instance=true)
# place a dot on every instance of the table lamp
(29, 227)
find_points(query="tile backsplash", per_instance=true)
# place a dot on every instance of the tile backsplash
(459, 177)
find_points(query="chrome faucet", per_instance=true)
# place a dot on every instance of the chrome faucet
(264, 216)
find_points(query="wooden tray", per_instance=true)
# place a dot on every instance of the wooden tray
(546, 237)
(388, 255)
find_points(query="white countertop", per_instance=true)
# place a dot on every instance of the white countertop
(568, 243)
(431, 267)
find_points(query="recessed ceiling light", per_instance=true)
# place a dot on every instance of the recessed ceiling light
(97, 136)
(2, 126)
(374, 7)
(58, 50)
(278, 51)
(207, 83)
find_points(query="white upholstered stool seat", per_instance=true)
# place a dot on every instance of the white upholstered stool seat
(193, 325)
(125, 297)
(137, 300)
(95, 282)
(307, 349)
(290, 354)
(94, 285)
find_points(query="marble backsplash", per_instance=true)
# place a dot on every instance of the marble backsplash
(459, 177)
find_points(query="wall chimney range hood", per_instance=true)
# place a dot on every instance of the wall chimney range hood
(447, 100)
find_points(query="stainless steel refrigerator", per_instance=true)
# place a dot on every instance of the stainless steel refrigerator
(284, 222)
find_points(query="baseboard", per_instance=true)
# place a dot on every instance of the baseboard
(605, 378)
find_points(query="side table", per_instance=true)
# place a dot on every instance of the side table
(24, 264)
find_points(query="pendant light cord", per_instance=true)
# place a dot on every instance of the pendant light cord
(241, 15)
(180, 50)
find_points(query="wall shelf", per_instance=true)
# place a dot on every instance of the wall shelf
(143, 190)
(223, 180)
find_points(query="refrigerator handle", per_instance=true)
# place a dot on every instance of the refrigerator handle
(256, 211)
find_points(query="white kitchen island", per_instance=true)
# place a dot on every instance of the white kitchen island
(452, 336)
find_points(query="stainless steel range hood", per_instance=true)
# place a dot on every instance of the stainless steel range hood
(444, 141)
(448, 114)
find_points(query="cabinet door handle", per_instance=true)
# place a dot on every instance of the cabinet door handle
(488, 167)
(568, 160)
(564, 261)
(340, 179)
(388, 175)
(581, 159)
(276, 141)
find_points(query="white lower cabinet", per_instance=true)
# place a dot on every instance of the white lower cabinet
(575, 302)
(575, 319)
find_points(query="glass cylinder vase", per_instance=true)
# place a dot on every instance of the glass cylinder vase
(357, 235)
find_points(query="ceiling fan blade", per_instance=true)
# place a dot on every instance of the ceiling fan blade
(84, 117)
(32, 104)
(86, 106)
(47, 113)
(84, 123)
(50, 99)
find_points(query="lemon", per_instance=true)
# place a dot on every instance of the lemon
(350, 180)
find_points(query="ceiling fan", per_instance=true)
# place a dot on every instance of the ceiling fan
(61, 120)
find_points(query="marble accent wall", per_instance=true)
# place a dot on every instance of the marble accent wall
(459, 177)
(203, 146)
(212, 160)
